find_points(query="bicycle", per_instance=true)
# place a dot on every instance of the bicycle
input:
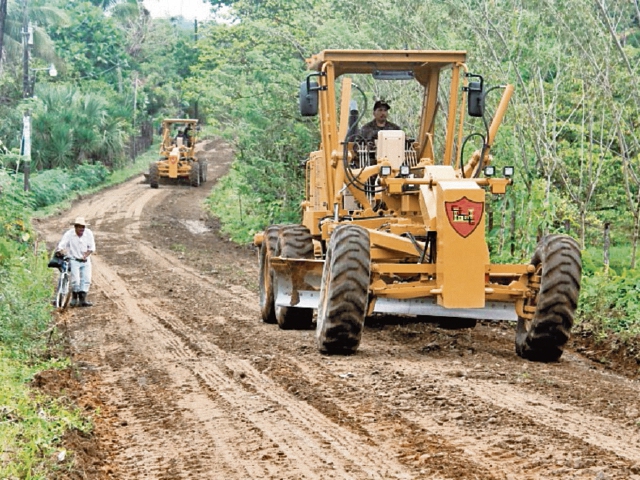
(63, 290)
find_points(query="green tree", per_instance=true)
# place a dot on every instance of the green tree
(75, 127)
(92, 45)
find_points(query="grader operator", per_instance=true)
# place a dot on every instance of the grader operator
(178, 154)
(398, 227)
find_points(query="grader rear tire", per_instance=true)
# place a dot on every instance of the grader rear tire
(344, 291)
(295, 241)
(194, 174)
(203, 171)
(557, 261)
(154, 175)
(267, 250)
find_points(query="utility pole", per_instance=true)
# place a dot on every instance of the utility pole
(133, 121)
(195, 37)
(3, 19)
(26, 93)
(26, 34)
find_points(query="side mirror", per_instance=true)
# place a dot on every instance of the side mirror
(475, 100)
(309, 98)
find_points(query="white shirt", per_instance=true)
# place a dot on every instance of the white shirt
(76, 246)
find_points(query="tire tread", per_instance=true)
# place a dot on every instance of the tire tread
(544, 338)
(344, 291)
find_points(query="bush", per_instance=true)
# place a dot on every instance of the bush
(49, 187)
(15, 206)
(90, 175)
(609, 303)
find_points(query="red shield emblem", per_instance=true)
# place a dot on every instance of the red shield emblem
(464, 215)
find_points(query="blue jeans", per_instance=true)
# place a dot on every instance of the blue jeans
(80, 276)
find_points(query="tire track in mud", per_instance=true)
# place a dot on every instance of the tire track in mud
(485, 420)
(291, 440)
(306, 431)
(303, 436)
(562, 418)
(131, 198)
(192, 425)
(152, 424)
(510, 409)
(510, 426)
(190, 337)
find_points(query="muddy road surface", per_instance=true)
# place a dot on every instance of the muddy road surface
(184, 381)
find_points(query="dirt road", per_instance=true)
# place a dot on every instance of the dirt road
(186, 382)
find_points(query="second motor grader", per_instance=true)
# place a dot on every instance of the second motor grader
(177, 157)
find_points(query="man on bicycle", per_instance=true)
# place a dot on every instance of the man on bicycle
(78, 243)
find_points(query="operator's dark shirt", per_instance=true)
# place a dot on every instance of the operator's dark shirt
(369, 131)
(187, 136)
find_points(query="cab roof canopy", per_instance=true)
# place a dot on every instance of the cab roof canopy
(420, 62)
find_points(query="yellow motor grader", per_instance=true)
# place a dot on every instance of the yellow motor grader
(178, 154)
(397, 226)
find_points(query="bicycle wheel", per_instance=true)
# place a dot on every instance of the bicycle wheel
(63, 293)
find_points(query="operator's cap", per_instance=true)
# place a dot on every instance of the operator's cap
(381, 104)
(79, 221)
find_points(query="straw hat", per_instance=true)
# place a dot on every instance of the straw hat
(79, 221)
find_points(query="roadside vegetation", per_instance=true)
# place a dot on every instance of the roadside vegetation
(32, 424)
(571, 132)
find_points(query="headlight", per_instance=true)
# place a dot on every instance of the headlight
(385, 171)
(489, 171)
(404, 170)
(508, 172)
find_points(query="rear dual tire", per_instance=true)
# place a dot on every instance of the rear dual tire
(267, 276)
(294, 241)
(203, 166)
(286, 241)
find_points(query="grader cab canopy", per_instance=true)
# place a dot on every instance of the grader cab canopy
(395, 225)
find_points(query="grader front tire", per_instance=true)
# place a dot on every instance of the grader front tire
(542, 338)
(295, 241)
(154, 175)
(344, 291)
